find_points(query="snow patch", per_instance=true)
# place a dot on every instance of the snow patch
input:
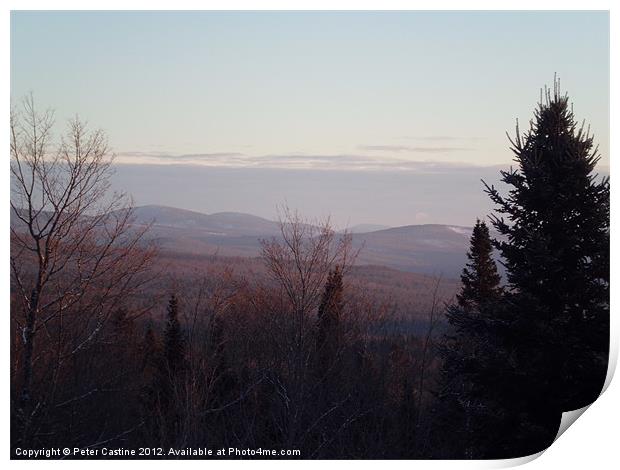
(461, 230)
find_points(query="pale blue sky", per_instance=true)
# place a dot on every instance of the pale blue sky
(372, 91)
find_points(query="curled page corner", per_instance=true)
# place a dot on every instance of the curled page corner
(568, 418)
(508, 463)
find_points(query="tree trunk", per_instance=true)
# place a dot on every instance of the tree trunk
(26, 389)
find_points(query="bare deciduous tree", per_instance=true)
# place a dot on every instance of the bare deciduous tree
(74, 252)
(299, 261)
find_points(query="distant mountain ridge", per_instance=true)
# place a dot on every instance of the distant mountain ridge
(221, 223)
(428, 249)
(366, 228)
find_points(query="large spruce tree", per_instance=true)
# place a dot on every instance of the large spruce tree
(554, 226)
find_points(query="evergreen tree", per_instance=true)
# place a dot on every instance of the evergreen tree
(329, 315)
(480, 278)
(223, 379)
(174, 342)
(166, 393)
(329, 339)
(465, 409)
(555, 246)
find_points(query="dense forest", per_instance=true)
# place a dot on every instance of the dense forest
(111, 347)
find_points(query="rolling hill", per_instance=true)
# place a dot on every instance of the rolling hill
(429, 249)
(220, 224)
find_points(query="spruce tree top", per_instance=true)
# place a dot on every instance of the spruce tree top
(331, 301)
(480, 278)
(556, 236)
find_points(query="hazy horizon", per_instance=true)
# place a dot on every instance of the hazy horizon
(347, 197)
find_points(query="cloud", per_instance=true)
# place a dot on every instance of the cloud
(296, 161)
(443, 138)
(189, 156)
(421, 217)
(406, 148)
(389, 148)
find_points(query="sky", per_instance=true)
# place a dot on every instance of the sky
(372, 117)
